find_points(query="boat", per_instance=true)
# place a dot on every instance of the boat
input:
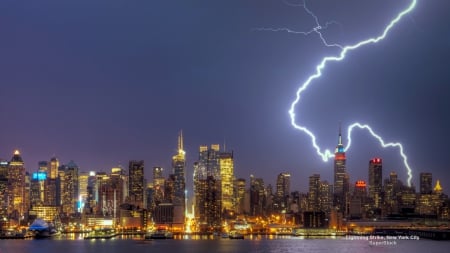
(104, 233)
(235, 235)
(160, 233)
(42, 229)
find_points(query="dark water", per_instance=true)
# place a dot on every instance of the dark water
(255, 244)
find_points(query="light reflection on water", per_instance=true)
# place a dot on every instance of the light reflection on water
(74, 243)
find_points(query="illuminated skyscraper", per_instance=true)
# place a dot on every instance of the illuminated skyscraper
(282, 192)
(16, 181)
(213, 174)
(52, 184)
(3, 191)
(179, 184)
(314, 193)
(70, 188)
(226, 164)
(136, 183)
(375, 181)
(341, 182)
(239, 195)
(426, 183)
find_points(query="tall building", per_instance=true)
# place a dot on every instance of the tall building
(341, 182)
(3, 191)
(136, 183)
(375, 181)
(179, 184)
(426, 183)
(239, 195)
(16, 182)
(213, 182)
(282, 192)
(70, 188)
(314, 193)
(226, 164)
(52, 184)
(258, 196)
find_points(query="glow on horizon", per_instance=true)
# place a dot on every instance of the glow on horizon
(326, 154)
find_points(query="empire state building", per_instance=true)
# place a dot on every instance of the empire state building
(341, 178)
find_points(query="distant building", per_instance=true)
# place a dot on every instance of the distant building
(16, 192)
(136, 183)
(179, 182)
(341, 178)
(426, 183)
(314, 193)
(375, 181)
(282, 192)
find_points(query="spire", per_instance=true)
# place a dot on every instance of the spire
(340, 134)
(438, 188)
(180, 140)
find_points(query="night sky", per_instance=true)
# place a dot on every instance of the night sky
(102, 82)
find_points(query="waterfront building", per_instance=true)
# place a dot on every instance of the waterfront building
(16, 187)
(179, 182)
(4, 165)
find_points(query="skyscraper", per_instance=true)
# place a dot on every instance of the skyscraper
(314, 193)
(70, 188)
(3, 191)
(426, 183)
(283, 190)
(179, 184)
(375, 181)
(16, 181)
(341, 182)
(226, 164)
(136, 183)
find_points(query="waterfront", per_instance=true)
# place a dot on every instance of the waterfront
(203, 244)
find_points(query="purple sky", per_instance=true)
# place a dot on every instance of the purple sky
(102, 82)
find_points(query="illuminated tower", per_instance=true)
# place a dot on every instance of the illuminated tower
(283, 190)
(16, 181)
(314, 193)
(341, 182)
(375, 181)
(3, 191)
(179, 185)
(226, 164)
(136, 183)
(51, 195)
(426, 183)
(70, 188)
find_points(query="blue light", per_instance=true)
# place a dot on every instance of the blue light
(39, 176)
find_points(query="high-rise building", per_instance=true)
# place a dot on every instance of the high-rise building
(257, 197)
(179, 184)
(341, 182)
(70, 188)
(16, 182)
(136, 183)
(52, 184)
(326, 197)
(3, 191)
(213, 182)
(239, 195)
(375, 181)
(226, 164)
(314, 193)
(426, 183)
(282, 191)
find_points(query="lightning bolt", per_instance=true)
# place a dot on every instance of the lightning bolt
(327, 154)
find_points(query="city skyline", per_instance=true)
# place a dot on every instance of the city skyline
(105, 85)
